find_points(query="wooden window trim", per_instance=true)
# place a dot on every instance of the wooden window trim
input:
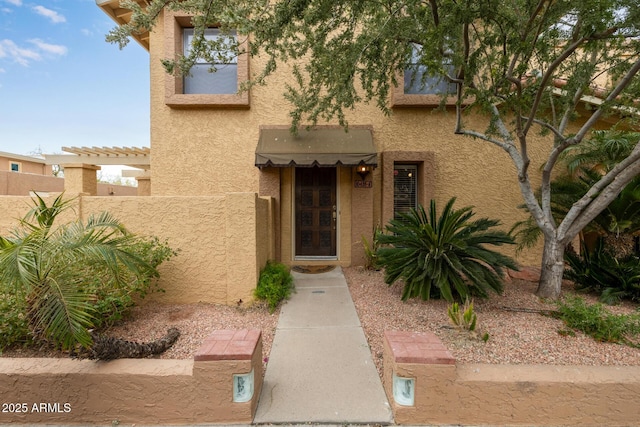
(400, 99)
(425, 162)
(174, 23)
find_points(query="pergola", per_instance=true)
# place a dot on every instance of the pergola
(81, 164)
(136, 157)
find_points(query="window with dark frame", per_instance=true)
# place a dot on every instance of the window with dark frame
(201, 80)
(418, 80)
(15, 167)
(405, 189)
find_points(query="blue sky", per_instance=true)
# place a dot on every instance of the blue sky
(61, 84)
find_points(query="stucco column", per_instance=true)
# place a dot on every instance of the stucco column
(81, 178)
(144, 185)
(270, 186)
(361, 215)
(241, 246)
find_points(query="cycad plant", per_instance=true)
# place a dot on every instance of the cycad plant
(446, 256)
(55, 269)
(600, 270)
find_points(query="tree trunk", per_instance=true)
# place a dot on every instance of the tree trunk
(552, 269)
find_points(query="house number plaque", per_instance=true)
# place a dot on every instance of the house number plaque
(363, 184)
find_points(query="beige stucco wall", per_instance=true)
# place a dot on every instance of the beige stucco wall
(22, 184)
(131, 391)
(508, 395)
(223, 240)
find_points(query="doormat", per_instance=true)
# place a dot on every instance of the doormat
(312, 269)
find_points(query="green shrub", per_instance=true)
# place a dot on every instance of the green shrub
(601, 272)
(114, 299)
(444, 256)
(14, 328)
(77, 275)
(595, 321)
(371, 250)
(275, 284)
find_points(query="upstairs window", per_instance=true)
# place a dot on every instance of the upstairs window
(202, 78)
(204, 89)
(15, 166)
(418, 81)
(418, 87)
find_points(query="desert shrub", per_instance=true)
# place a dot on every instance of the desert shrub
(113, 299)
(445, 256)
(599, 271)
(67, 278)
(14, 328)
(371, 249)
(275, 284)
(595, 321)
(463, 317)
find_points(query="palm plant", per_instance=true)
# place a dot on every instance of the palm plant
(52, 267)
(585, 165)
(601, 152)
(444, 256)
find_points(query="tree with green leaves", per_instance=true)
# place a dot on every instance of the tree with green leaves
(524, 65)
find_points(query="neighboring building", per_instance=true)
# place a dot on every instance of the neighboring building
(24, 175)
(330, 187)
(25, 164)
(20, 175)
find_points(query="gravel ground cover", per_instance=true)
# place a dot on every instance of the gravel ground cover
(515, 337)
(195, 322)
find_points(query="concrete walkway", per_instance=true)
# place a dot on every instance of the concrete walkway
(320, 368)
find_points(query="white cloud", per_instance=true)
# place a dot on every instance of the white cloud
(55, 49)
(86, 32)
(54, 16)
(8, 49)
(14, 2)
(24, 56)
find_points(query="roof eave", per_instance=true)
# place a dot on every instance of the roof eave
(121, 16)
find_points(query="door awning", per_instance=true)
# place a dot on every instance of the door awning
(317, 147)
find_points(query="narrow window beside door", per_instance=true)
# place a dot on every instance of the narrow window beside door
(405, 189)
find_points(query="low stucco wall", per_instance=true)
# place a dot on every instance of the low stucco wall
(506, 395)
(223, 240)
(147, 391)
(21, 184)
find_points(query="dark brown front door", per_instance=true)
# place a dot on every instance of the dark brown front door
(316, 211)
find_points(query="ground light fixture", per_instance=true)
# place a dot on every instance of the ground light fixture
(404, 390)
(243, 387)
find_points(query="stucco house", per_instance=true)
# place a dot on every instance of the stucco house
(330, 187)
(325, 188)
